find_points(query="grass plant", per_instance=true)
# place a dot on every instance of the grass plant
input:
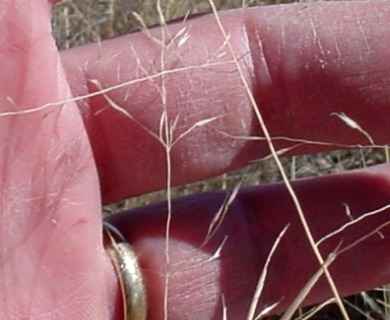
(77, 22)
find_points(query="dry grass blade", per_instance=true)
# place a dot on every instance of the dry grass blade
(266, 311)
(281, 168)
(123, 111)
(386, 302)
(373, 305)
(224, 308)
(217, 253)
(261, 282)
(220, 215)
(316, 309)
(353, 222)
(366, 236)
(196, 125)
(366, 315)
(354, 125)
(307, 288)
(103, 91)
(307, 142)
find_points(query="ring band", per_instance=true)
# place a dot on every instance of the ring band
(129, 274)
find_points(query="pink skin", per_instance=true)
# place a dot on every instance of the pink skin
(303, 63)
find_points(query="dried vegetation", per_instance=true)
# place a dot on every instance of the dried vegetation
(78, 22)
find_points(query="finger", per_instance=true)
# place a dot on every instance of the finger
(200, 279)
(305, 64)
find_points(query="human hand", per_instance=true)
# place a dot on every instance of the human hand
(307, 62)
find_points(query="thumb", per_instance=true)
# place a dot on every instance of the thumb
(51, 259)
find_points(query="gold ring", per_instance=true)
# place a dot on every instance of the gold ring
(129, 274)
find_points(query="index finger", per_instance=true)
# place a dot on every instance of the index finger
(307, 67)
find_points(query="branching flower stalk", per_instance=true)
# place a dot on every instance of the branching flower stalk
(166, 134)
